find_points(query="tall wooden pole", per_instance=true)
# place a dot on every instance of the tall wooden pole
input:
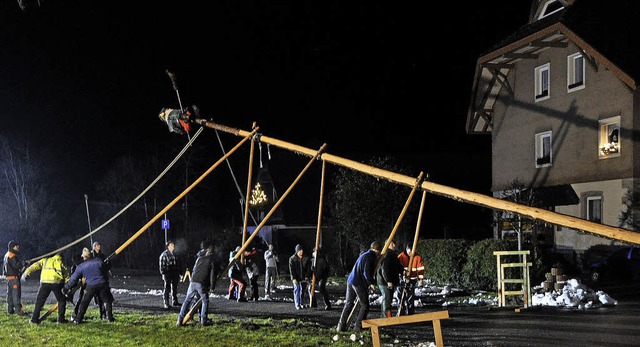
(452, 193)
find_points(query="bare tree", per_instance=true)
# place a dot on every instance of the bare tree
(518, 192)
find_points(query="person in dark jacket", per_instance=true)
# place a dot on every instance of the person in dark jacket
(96, 252)
(12, 269)
(96, 275)
(168, 264)
(320, 271)
(300, 271)
(81, 287)
(388, 278)
(361, 279)
(253, 273)
(203, 279)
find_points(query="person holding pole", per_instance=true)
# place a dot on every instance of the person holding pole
(53, 276)
(389, 278)
(412, 275)
(361, 280)
(320, 269)
(271, 262)
(203, 279)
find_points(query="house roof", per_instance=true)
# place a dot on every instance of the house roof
(605, 31)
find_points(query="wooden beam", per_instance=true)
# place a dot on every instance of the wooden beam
(478, 199)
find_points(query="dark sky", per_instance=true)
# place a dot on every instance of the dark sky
(86, 79)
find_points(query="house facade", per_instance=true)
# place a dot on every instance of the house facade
(560, 100)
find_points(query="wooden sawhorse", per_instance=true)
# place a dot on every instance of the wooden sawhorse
(374, 324)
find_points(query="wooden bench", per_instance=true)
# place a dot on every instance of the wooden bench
(374, 324)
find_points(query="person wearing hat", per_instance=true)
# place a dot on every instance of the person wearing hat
(170, 272)
(12, 267)
(412, 275)
(361, 280)
(300, 271)
(203, 280)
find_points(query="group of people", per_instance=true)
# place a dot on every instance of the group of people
(89, 274)
(391, 273)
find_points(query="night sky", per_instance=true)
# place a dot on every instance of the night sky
(86, 80)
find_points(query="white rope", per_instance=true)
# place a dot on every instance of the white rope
(130, 204)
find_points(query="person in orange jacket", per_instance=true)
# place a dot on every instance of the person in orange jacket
(410, 277)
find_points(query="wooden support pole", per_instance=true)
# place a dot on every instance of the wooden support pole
(187, 190)
(312, 292)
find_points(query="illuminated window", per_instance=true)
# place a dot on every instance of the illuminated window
(542, 82)
(543, 149)
(575, 72)
(594, 209)
(609, 138)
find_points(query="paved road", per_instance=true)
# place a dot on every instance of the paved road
(467, 326)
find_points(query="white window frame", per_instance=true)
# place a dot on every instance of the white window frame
(608, 146)
(544, 149)
(575, 72)
(594, 201)
(546, 8)
(542, 88)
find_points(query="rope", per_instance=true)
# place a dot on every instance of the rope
(129, 205)
(234, 179)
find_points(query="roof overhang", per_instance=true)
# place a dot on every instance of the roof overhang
(493, 69)
(560, 195)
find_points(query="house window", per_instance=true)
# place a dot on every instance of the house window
(594, 209)
(543, 149)
(609, 138)
(551, 6)
(575, 72)
(542, 82)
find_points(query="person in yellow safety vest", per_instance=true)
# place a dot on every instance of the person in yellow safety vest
(409, 280)
(53, 276)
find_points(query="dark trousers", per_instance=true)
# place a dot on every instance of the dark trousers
(14, 295)
(362, 294)
(104, 293)
(254, 288)
(321, 288)
(406, 295)
(171, 289)
(81, 290)
(43, 293)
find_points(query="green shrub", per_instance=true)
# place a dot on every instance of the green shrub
(479, 272)
(444, 259)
